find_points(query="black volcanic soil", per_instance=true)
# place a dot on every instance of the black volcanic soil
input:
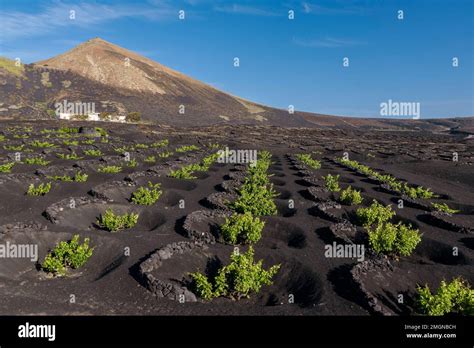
(111, 283)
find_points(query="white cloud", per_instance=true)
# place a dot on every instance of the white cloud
(306, 7)
(327, 42)
(17, 24)
(246, 10)
(335, 8)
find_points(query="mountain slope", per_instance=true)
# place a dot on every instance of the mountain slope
(115, 66)
(120, 81)
(131, 83)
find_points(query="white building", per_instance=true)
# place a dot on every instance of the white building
(93, 117)
(65, 116)
(121, 119)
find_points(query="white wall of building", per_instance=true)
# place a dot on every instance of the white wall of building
(93, 117)
(64, 116)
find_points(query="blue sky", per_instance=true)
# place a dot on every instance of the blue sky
(282, 61)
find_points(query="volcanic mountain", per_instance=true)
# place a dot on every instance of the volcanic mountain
(120, 81)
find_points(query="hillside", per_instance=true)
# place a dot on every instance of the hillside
(120, 81)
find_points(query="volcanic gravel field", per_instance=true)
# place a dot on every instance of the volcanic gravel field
(145, 269)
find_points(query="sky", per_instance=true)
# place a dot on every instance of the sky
(282, 61)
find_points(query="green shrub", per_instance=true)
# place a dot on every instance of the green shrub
(123, 149)
(93, 152)
(265, 156)
(359, 167)
(195, 167)
(396, 186)
(14, 147)
(256, 193)
(417, 192)
(2, 138)
(81, 177)
(376, 213)
(103, 133)
(68, 156)
(208, 161)
(309, 161)
(237, 280)
(214, 146)
(165, 154)
(37, 161)
(133, 117)
(41, 190)
(443, 207)
(387, 238)
(350, 196)
(455, 297)
(61, 136)
(394, 183)
(150, 159)
(332, 183)
(258, 201)
(407, 239)
(425, 193)
(68, 130)
(6, 167)
(113, 223)
(78, 177)
(186, 148)
(71, 142)
(142, 146)
(41, 144)
(203, 286)
(147, 195)
(161, 143)
(55, 265)
(132, 163)
(242, 228)
(64, 178)
(88, 142)
(382, 237)
(387, 178)
(21, 136)
(182, 173)
(186, 172)
(263, 162)
(257, 177)
(109, 169)
(67, 254)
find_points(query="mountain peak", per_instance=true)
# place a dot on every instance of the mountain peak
(104, 62)
(121, 81)
(97, 39)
